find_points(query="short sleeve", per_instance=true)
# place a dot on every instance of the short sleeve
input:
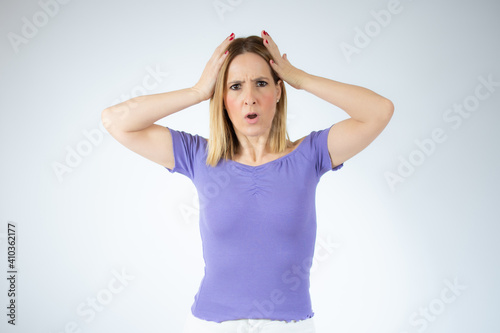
(319, 141)
(188, 149)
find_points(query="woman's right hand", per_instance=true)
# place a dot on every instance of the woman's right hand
(206, 85)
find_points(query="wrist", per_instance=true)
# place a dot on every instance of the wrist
(198, 94)
(303, 80)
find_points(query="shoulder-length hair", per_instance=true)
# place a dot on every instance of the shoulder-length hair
(223, 142)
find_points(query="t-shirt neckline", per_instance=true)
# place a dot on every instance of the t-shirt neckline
(254, 167)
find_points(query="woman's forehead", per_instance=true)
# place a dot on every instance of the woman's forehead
(248, 65)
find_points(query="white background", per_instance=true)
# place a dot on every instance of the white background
(396, 246)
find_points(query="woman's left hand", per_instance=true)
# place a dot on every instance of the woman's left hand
(288, 73)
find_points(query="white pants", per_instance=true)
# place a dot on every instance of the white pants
(197, 325)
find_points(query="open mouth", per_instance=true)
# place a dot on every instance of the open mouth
(252, 118)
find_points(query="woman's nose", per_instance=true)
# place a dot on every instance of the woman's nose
(249, 97)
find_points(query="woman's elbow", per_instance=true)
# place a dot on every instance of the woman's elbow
(387, 110)
(107, 118)
(388, 107)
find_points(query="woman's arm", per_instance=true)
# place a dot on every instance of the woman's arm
(369, 115)
(141, 112)
(369, 112)
(132, 123)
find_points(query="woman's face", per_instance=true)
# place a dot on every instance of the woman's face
(251, 95)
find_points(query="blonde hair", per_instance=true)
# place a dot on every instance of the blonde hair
(223, 142)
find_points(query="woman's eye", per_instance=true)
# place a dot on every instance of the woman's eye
(235, 87)
(261, 83)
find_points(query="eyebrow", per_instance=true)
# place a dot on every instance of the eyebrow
(260, 78)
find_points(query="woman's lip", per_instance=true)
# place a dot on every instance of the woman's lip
(252, 121)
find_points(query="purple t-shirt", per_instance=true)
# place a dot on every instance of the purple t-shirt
(258, 229)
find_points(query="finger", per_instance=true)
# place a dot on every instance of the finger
(230, 38)
(223, 46)
(220, 52)
(268, 38)
(265, 35)
(275, 67)
(222, 57)
(271, 45)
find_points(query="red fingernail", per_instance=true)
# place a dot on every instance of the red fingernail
(267, 42)
(265, 33)
(226, 52)
(231, 38)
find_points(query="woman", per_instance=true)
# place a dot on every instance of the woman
(256, 187)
